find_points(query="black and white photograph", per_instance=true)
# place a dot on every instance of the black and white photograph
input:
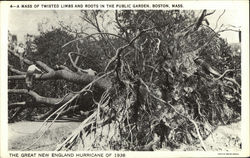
(125, 80)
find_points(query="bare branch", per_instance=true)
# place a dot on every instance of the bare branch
(210, 13)
(12, 69)
(208, 68)
(17, 104)
(37, 97)
(229, 70)
(60, 67)
(74, 62)
(219, 19)
(29, 62)
(199, 21)
(83, 78)
(25, 104)
(44, 66)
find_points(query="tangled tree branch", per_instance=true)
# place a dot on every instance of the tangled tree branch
(209, 69)
(119, 50)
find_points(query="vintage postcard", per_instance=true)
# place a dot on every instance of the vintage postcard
(124, 79)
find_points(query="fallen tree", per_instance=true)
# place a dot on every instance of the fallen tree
(166, 81)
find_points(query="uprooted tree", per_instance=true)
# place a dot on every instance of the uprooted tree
(166, 77)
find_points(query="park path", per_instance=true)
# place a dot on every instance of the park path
(25, 128)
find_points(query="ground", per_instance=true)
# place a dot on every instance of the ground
(23, 134)
(223, 138)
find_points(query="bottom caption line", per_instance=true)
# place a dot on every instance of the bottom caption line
(47, 155)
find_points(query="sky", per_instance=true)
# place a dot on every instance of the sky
(22, 22)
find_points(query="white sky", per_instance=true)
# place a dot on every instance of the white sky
(22, 22)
